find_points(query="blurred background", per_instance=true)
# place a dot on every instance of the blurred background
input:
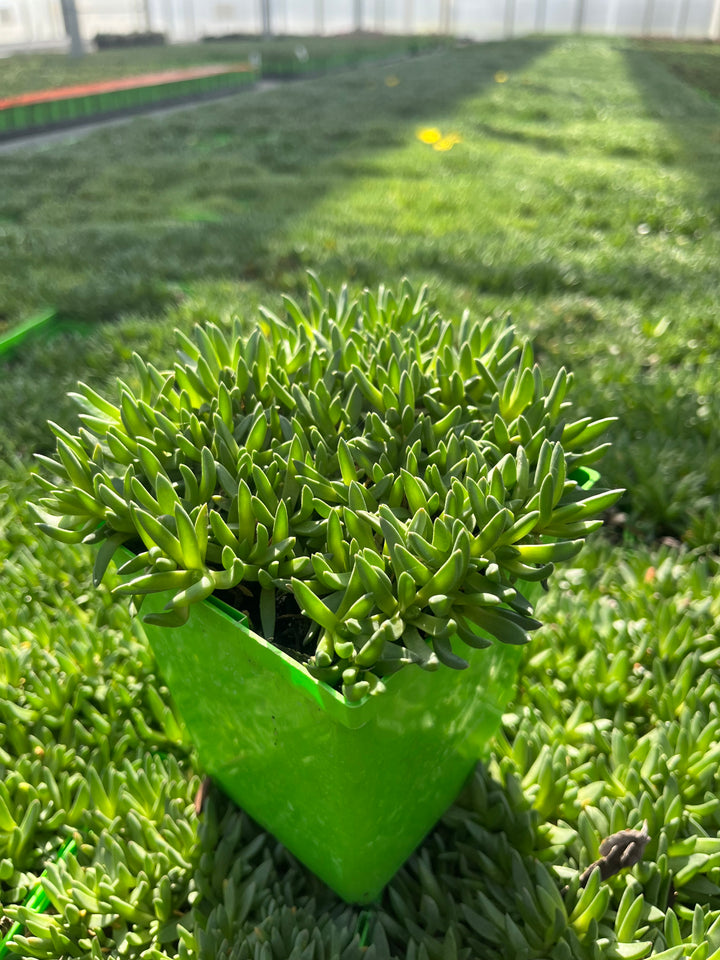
(39, 24)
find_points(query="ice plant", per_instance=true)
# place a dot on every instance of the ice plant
(398, 476)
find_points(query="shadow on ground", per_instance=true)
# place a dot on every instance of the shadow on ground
(124, 219)
(672, 385)
(471, 890)
(693, 127)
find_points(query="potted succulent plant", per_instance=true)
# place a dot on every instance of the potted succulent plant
(334, 525)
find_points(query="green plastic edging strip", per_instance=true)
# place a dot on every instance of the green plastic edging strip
(28, 328)
(37, 900)
(89, 107)
(48, 324)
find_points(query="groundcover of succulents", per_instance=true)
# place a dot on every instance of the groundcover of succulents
(510, 458)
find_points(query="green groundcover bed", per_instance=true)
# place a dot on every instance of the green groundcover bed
(23, 73)
(570, 181)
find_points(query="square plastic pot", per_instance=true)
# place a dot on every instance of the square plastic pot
(351, 789)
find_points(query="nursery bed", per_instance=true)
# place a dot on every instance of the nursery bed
(582, 197)
(66, 106)
(80, 103)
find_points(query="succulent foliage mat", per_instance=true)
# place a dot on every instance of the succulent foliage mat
(615, 721)
(616, 718)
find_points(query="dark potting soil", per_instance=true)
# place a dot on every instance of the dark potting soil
(291, 626)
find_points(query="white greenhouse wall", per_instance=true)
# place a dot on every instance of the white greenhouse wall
(38, 23)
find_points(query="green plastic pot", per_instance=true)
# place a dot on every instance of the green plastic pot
(350, 789)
